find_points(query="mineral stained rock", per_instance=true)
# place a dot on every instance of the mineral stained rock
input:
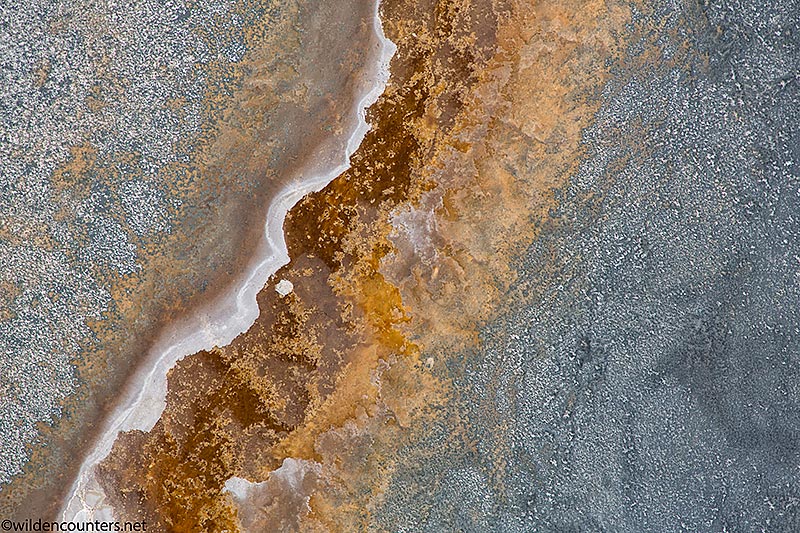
(558, 289)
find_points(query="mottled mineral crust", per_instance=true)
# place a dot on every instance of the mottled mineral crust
(407, 252)
(141, 144)
(642, 371)
(557, 290)
(585, 214)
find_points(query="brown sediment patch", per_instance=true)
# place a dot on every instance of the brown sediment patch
(516, 138)
(399, 259)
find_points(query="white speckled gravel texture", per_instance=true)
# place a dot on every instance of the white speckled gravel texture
(56, 57)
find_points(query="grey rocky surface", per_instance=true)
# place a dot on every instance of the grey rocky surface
(78, 74)
(653, 383)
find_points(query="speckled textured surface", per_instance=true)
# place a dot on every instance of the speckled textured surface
(650, 382)
(139, 155)
(557, 290)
